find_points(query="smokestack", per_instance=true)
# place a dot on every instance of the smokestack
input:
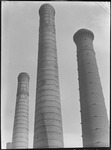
(95, 129)
(21, 120)
(48, 131)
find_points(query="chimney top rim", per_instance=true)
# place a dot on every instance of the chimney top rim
(82, 32)
(45, 7)
(22, 74)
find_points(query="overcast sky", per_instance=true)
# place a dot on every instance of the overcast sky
(20, 26)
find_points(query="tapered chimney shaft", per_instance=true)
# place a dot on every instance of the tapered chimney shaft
(95, 129)
(48, 131)
(21, 120)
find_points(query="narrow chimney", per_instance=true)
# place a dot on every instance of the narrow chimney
(48, 131)
(21, 120)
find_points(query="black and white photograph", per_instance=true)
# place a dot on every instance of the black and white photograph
(55, 74)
